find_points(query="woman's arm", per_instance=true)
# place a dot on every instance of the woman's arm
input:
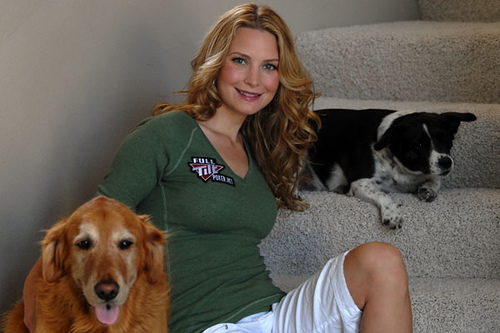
(137, 167)
(29, 295)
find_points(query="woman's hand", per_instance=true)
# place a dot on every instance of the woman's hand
(29, 295)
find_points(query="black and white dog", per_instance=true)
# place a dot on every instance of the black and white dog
(366, 153)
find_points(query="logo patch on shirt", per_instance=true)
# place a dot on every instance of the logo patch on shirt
(207, 168)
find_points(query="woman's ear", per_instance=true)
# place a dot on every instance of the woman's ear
(54, 252)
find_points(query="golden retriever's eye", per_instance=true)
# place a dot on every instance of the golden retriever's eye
(125, 244)
(84, 244)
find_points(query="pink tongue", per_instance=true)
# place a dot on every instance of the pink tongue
(107, 314)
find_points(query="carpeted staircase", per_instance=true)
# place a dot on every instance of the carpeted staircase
(452, 245)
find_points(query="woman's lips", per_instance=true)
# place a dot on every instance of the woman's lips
(248, 95)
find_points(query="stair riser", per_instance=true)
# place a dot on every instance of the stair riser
(455, 236)
(406, 61)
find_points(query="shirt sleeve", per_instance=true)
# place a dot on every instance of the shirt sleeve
(138, 165)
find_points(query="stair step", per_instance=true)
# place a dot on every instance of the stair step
(406, 61)
(459, 10)
(443, 305)
(457, 235)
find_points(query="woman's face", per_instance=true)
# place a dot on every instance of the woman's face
(249, 78)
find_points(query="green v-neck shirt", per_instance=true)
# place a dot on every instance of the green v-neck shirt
(167, 168)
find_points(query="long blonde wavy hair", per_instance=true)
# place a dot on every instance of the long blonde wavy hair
(280, 134)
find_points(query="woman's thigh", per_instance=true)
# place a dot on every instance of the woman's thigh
(321, 304)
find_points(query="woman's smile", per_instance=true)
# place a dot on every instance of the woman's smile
(249, 95)
(249, 78)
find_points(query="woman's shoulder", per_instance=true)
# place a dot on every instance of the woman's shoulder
(171, 117)
(166, 123)
(160, 134)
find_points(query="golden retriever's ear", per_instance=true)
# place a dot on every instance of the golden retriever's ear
(154, 250)
(54, 251)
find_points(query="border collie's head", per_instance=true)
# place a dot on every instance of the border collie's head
(421, 142)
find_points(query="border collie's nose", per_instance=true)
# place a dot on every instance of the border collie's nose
(106, 289)
(445, 163)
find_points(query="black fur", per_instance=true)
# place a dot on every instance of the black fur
(368, 152)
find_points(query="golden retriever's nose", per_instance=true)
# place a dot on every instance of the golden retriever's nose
(106, 289)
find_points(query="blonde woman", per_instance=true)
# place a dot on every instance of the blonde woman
(213, 171)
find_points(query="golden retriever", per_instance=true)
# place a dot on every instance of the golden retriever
(102, 272)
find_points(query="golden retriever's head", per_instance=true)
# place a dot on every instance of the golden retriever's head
(104, 247)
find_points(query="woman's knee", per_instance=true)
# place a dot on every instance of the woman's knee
(378, 259)
(375, 266)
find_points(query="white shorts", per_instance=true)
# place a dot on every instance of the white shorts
(320, 304)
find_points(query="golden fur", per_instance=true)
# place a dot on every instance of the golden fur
(102, 245)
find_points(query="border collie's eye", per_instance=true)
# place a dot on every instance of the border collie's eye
(125, 244)
(84, 244)
(419, 146)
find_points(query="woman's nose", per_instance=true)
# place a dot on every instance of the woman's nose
(252, 77)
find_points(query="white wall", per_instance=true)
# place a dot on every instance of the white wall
(77, 75)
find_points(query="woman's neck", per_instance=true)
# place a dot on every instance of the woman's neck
(225, 124)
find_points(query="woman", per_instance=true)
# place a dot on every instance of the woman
(213, 170)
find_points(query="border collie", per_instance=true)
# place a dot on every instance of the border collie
(367, 153)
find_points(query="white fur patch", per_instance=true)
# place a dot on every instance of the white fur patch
(123, 234)
(366, 189)
(337, 179)
(388, 120)
(87, 231)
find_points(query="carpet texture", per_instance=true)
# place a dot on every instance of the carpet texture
(451, 246)
(459, 10)
(406, 61)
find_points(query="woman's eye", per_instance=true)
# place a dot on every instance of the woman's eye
(125, 244)
(270, 67)
(240, 61)
(84, 244)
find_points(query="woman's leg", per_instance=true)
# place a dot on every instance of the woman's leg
(321, 304)
(377, 280)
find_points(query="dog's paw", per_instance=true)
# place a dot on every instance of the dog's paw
(426, 194)
(391, 216)
(342, 189)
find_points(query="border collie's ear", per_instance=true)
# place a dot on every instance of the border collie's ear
(54, 252)
(386, 138)
(454, 119)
